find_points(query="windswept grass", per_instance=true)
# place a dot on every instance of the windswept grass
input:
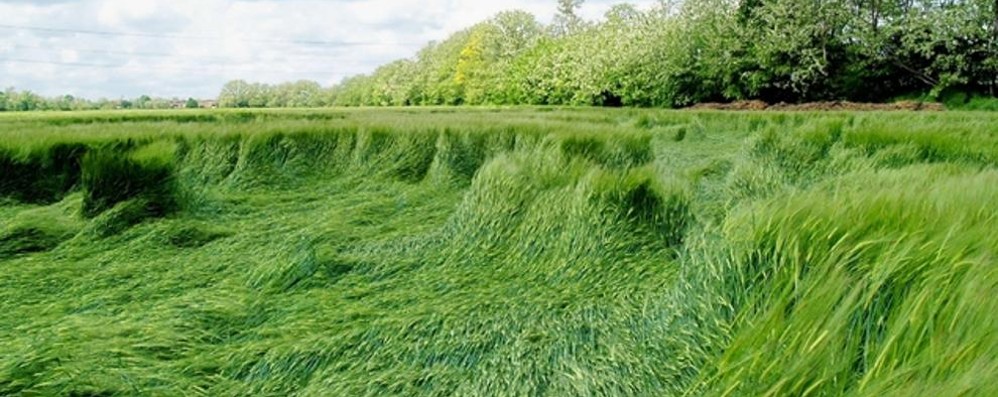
(483, 252)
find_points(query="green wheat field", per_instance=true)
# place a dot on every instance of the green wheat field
(498, 252)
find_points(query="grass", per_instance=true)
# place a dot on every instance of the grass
(498, 251)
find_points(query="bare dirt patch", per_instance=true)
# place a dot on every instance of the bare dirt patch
(822, 106)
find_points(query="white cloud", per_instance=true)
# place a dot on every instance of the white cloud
(124, 48)
(118, 13)
(69, 56)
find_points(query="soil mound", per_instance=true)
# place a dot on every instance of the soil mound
(822, 106)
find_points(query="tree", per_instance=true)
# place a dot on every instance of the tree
(622, 15)
(27, 100)
(235, 94)
(436, 72)
(507, 36)
(390, 84)
(351, 91)
(258, 95)
(937, 45)
(567, 20)
(470, 71)
(304, 93)
(142, 102)
(795, 48)
(192, 103)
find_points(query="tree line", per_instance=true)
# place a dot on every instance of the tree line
(13, 100)
(302, 93)
(702, 50)
(678, 53)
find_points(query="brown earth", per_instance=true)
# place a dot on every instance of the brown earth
(822, 106)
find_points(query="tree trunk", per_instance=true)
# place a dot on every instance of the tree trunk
(994, 24)
(875, 17)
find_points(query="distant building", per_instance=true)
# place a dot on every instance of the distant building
(202, 103)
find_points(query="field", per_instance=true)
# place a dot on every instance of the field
(507, 251)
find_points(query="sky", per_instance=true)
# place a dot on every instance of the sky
(190, 48)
